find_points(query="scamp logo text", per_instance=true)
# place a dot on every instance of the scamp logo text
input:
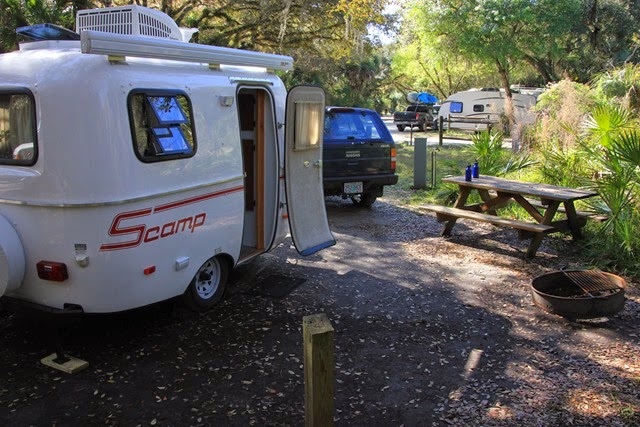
(144, 233)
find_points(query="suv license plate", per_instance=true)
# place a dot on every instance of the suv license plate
(353, 187)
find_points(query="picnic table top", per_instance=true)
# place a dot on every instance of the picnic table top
(543, 191)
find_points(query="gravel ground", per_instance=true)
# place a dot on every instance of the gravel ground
(428, 332)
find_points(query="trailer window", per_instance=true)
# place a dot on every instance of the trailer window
(17, 129)
(456, 107)
(308, 127)
(161, 125)
(478, 108)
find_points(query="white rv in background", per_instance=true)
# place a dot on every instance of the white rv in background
(476, 109)
(136, 167)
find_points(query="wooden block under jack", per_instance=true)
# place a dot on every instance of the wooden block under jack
(70, 366)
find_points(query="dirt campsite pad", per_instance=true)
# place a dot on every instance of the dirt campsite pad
(428, 332)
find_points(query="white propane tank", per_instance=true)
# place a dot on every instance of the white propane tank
(12, 263)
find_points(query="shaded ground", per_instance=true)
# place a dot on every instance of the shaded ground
(428, 332)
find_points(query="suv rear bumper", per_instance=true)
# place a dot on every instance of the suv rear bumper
(334, 186)
(408, 123)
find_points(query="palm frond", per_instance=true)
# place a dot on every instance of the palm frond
(606, 122)
(627, 147)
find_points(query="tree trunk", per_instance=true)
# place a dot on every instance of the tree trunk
(545, 69)
(508, 101)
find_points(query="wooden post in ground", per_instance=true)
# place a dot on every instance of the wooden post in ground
(318, 370)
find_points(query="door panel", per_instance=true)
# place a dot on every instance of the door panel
(303, 170)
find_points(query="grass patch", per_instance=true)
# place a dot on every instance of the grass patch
(450, 160)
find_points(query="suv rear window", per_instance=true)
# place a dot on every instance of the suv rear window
(17, 129)
(350, 124)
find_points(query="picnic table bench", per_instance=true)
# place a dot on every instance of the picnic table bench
(499, 192)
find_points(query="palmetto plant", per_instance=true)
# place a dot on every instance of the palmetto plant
(612, 148)
(606, 122)
(562, 166)
(493, 159)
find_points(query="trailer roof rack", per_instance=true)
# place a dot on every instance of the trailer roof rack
(119, 46)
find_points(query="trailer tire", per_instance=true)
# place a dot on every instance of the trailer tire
(208, 286)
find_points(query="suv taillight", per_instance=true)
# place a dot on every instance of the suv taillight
(393, 159)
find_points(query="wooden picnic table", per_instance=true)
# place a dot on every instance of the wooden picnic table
(540, 201)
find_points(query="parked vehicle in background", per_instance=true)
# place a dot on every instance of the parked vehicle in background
(477, 109)
(421, 116)
(359, 155)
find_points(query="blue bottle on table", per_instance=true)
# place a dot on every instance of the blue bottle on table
(475, 170)
(467, 173)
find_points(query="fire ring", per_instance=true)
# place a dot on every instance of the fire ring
(579, 294)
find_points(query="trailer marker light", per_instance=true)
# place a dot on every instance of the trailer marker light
(182, 262)
(149, 270)
(53, 271)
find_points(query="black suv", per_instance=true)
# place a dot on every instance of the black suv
(359, 155)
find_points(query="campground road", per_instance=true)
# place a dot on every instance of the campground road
(407, 136)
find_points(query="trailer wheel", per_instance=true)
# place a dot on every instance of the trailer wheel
(364, 200)
(401, 128)
(208, 285)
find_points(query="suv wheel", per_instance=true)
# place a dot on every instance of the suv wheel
(401, 128)
(364, 200)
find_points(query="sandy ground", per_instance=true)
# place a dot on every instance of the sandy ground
(428, 332)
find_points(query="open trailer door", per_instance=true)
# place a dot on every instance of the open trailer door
(303, 170)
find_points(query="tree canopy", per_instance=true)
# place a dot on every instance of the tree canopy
(443, 46)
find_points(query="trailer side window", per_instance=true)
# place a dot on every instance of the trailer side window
(478, 108)
(456, 107)
(161, 125)
(17, 129)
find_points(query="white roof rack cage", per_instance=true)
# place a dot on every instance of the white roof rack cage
(132, 20)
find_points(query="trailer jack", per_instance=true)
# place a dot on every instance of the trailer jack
(52, 319)
(59, 360)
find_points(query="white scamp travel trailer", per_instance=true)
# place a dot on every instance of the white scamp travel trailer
(475, 109)
(136, 167)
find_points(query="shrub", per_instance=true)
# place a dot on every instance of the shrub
(560, 111)
(620, 86)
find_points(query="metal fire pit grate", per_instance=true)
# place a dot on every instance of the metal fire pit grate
(579, 294)
(591, 281)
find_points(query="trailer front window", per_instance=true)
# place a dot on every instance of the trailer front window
(17, 129)
(455, 107)
(161, 126)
